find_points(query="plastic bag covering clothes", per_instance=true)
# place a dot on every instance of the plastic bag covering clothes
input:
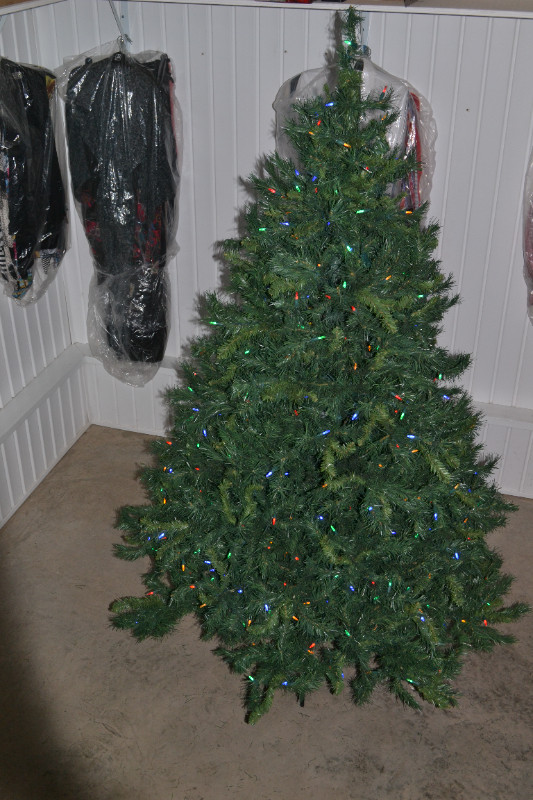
(121, 119)
(33, 217)
(413, 132)
(528, 236)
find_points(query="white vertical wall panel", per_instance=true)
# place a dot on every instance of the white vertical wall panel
(30, 338)
(476, 73)
(224, 105)
(116, 405)
(514, 462)
(16, 476)
(6, 494)
(42, 409)
(35, 435)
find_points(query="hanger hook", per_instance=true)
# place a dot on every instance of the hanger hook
(123, 35)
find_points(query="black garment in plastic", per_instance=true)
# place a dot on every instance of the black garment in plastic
(123, 162)
(33, 218)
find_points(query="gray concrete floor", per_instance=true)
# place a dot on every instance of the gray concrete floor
(87, 713)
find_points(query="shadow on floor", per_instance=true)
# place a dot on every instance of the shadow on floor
(29, 756)
(88, 713)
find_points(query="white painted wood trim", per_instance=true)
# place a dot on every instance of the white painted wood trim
(516, 418)
(25, 5)
(39, 425)
(511, 9)
(39, 389)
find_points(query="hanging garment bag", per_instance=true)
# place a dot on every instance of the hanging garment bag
(33, 218)
(413, 132)
(123, 161)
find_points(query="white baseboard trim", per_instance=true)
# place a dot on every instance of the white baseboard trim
(508, 433)
(510, 416)
(40, 388)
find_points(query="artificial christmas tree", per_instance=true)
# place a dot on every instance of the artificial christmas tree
(320, 504)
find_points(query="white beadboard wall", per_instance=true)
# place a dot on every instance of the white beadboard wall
(230, 59)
